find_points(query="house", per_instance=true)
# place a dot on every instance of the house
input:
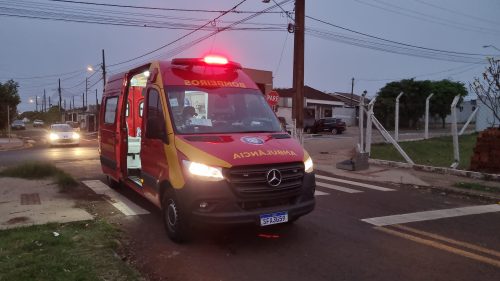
(317, 104)
(485, 117)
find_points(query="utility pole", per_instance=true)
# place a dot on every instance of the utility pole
(59, 91)
(44, 102)
(83, 100)
(103, 66)
(73, 101)
(36, 103)
(8, 120)
(352, 91)
(64, 104)
(96, 100)
(86, 91)
(298, 65)
(50, 104)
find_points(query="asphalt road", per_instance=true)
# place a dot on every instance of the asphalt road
(41, 151)
(331, 243)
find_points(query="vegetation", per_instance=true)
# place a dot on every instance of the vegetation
(412, 103)
(487, 90)
(52, 115)
(8, 97)
(38, 170)
(434, 152)
(476, 186)
(73, 251)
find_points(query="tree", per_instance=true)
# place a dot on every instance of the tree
(444, 92)
(412, 103)
(8, 97)
(487, 89)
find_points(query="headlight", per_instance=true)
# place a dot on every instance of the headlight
(53, 136)
(75, 136)
(203, 171)
(308, 165)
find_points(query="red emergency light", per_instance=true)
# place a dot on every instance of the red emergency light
(211, 60)
(215, 60)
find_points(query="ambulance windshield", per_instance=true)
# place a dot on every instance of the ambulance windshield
(220, 110)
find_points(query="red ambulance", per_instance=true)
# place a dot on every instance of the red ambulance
(197, 138)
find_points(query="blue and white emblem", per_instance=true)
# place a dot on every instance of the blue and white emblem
(252, 140)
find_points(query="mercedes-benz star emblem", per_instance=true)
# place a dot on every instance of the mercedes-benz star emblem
(273, 177)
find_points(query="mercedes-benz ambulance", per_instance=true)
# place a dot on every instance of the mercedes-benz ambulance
(197, 138)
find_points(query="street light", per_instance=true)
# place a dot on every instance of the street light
(90, 68)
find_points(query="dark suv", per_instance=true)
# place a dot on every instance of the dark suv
(333, 125)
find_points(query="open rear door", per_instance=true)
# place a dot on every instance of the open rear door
(113, 136)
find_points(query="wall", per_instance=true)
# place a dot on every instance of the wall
(484, 117)
(347, 114)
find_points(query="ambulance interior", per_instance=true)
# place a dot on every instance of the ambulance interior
(134, 116)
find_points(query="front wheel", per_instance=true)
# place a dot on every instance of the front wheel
(334, 131)
(174, 218)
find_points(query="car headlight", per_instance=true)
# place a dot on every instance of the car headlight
(75, 136)
(308, 165)
(203, 171)
(53, 136)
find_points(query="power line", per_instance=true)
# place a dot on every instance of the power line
(425, 17)
(178, 39)
(158, 8)
(466, 66)
(395, 42)
(457, 12)
(197, 41)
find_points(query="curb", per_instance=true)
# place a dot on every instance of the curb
(438, 170)
(23, 146)
(493, 197)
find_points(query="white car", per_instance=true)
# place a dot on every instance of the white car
(62, 134)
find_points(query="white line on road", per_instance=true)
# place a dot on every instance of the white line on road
(338, 188)
(119, 201)
(433, 215)
(370, 186)
(319, 193)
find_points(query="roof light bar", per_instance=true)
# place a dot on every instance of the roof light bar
(215, 60)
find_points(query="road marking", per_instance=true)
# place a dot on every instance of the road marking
(122, 203)
(440, 246)
(319, 193)
(338, 188)
(370, 186)
(432, 215)
(449, 240)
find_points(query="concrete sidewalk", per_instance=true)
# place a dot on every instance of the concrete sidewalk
(29, 202)
(11, 144)
(326, 153)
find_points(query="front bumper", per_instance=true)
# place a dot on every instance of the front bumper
(64, 142)
(225, 206)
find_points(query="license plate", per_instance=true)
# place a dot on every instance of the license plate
(273, 218)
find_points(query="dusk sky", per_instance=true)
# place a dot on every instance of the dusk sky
(456, 30)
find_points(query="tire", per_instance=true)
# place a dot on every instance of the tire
(174, 218)
(334, 131)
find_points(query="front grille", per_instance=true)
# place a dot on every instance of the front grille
(251, 181)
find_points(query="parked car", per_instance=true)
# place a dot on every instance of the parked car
(333, 125)
(61, 134)
(38, 123)
(18, 125)
(74, 125)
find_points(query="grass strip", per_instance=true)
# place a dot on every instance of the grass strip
(434, 152)
(40, 170)
(72, 251)
(476, 186)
